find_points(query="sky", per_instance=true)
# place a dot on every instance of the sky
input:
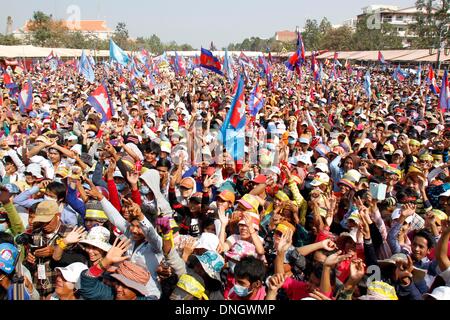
(196, 22)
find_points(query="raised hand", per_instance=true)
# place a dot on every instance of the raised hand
(285, 241)
(276, 281)
(334, 259)
(328, 245)
(224, 220)
(163, 224)
(74, 236)
(404, 269)
(94, 192)
(209, 181)
(357, 270)
(115, 254)
(316, 294)
(133, 178)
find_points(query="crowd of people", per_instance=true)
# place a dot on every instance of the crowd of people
(339, 196)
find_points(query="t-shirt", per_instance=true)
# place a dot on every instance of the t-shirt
(297, 290)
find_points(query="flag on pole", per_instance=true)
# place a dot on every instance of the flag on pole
(101, 102)
(208, 61)
(85, 68)
(256, 102)
(381, 58)
(233, 128)
(399, 75)
(117, 54)
(26, 97)
(431, 80)
(444, 97)
(367, 85)
(228, 67)
(419, 75)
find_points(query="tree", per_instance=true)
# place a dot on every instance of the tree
(384, 38)
(339, 39)
(9, 40)
(311, 35)
(431, 19)
(121, 35)
(45, 31)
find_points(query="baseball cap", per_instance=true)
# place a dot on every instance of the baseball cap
(322, 167)
(261, 179)
(440, 293)
(45, 211)
(320, 179)
(187, 183)
(72, 273)
(227, 195)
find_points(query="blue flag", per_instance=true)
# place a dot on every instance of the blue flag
(85, 68)
(233, 128)
(419, 75)
(256, 102)
(228, 66)
(367, 85)
(117, 54)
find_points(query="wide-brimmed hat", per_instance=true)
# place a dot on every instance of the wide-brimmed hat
(418, 274)
(133, 276)
(212, 263)
(98, 237)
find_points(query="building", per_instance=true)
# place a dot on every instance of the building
(401, 19)
(286, 36)
(96, 28)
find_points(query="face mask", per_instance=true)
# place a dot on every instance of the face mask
(149, 124)
(144, 190)
(241, 291)
(91, 134)
(107, 163)
(97, 155)
(291, 141)
(47, 198)
(58, 180)
(121, 187)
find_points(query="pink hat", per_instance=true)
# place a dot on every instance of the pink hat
(241, 249)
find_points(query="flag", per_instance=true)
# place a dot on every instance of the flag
(9, 84)
(399, 74)
(256, 102)
(298, 58)
(26, 97)
(117, 54)
(419, 75)
(444, 97)
(228, 67)
(1, 98)
(367, 85)
(180, 67)
(348, 67)
(336, 59)
(101, 102)
(208, 61)
(233, 128)
(85, 68)
(381, 58)
(432, 81)
(51, 56)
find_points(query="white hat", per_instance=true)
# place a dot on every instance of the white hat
(440, 293)
(72, 273)
(304, 140)
(319, 179)
(117, 174)
(396, 214)
(35, 170)
(304, 159)
(99, 238)
(323, 167)
(208, 241)
(166, 146)
(445, 194)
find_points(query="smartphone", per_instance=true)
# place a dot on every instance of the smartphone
(378, 191)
